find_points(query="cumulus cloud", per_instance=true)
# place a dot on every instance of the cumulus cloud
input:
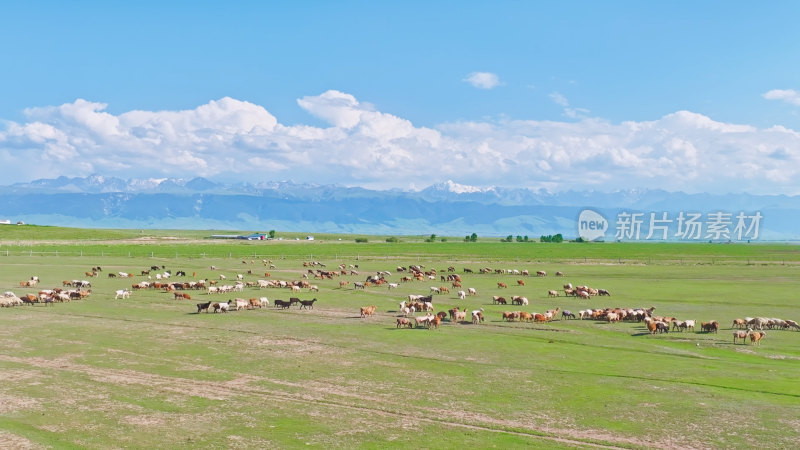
(230, 139)
(337, 108)
(483, 80)
(786, 95)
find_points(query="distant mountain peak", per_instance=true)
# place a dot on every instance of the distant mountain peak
(446, 207)
(456, 188)
(200, 184)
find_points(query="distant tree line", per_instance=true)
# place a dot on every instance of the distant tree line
(549, 238)
(552, 238)
(510, 238)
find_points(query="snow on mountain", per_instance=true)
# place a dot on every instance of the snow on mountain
(145, 184)
(448, 207)
(456, 188)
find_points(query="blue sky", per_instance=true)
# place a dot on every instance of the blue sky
(554, 95)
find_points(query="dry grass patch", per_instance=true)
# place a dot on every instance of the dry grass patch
(12, 441)
(14, 403)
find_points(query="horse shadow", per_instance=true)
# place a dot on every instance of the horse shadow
(643, 333)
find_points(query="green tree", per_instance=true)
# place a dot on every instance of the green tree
(552, 238)
(271, 234)
(473, 237)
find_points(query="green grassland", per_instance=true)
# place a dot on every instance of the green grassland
(175, 244)
(149, 372)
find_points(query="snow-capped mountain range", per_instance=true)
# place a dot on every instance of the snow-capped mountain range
(447, 208)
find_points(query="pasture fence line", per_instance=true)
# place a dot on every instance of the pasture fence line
(463, 261)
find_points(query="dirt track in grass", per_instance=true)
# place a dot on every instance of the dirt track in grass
(338, 396)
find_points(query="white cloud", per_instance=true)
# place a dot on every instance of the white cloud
(337, 108)
(571, 112)
(559, 99)
(483, 80)
(230, 139)
(786, 95)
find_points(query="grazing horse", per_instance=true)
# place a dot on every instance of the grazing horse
(756, 336)
(367, 310)
(741, 334)
(307, 303)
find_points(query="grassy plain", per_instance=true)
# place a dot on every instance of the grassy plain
(148, 372)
